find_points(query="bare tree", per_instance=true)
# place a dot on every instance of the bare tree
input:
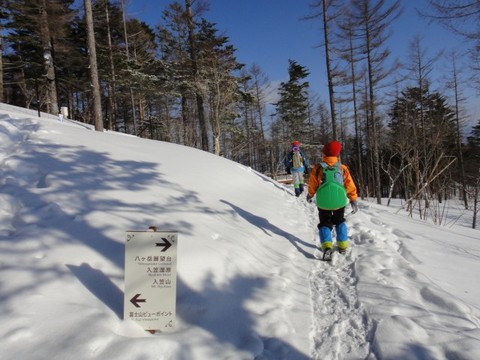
(350, 52)
(419, 67)
(374, 20)
(326, 36)
(424, 183)
(454, 83)
(329, 13)
(462, 18)
(395, 172)
(457, 15)
(260, 80)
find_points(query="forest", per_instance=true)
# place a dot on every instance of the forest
(181, 82)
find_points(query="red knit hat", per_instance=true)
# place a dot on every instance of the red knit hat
(333, 148)
(295, 143)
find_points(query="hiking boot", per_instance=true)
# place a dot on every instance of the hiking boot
(342, 251)
(327, 255)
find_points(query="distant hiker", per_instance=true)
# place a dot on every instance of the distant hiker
(331, 183)
(296, 164)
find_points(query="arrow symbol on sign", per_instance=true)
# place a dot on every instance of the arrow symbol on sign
(135, 300)
(166, 244)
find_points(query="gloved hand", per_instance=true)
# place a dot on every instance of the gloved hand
(354, 206)
(309, 198)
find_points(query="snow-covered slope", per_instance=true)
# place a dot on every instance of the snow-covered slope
(248, 285)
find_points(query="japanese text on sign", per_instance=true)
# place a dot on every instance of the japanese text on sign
(150, 278)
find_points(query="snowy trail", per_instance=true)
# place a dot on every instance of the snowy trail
(341, 325)
(372, 302)
(341, 328)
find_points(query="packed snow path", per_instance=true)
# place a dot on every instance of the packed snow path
(340, 326)
(374, 304)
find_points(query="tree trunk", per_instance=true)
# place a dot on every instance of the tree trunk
(1, 66)
(52, 103)
(358, 144)
(459, 136)
(112, 124)
(92, 57)
(475, 206)
(193, 58)
(373, 120)
(132, 98)
(329, 70)
(260, 119)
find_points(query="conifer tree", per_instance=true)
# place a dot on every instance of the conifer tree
(472, 155)
(218, 63)
(293, 104)
(195, 74)
(178, 40)
(36, 33)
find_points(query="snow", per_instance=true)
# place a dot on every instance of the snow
(248, 286)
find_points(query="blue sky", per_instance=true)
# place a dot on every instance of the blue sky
(269, 33)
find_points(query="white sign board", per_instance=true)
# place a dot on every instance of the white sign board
(151, 278)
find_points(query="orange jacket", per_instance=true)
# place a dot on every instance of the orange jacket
(316, 178)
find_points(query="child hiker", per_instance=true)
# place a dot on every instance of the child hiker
(332, 185)
(296, 164)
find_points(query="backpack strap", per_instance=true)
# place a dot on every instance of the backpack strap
(328, 176)
(334, 166)
(324, 165)
(319, 172)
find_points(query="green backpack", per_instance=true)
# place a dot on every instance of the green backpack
(331, 195)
